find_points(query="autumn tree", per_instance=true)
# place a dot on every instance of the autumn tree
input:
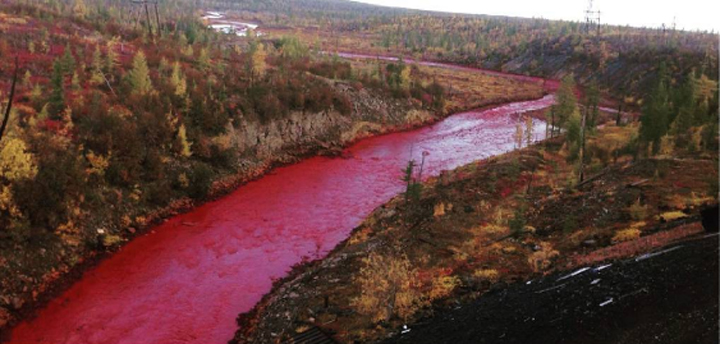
(79, 9)
(96, 75)
(528, 130)
(139, 76)
(112, 58)
(67, 61)
(591, 103)
(16, 160)
(184, 143)
(388, 290)
(204, 59)
(655, 117)
(257, 65)
(566, 101)
(292, 48)
(177, 80)
(57, 95)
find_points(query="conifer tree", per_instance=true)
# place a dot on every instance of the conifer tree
(655, 117)
(27, 79)
(178, 81)
(184, 143)
(111, 59)
(68, 60)
(257, 61)
(96, 76)
(57, 95)
(566, 101)
(204, 59)
(139, 76)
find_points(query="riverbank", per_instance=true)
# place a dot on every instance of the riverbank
(504, 220)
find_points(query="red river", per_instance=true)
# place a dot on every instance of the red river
(188, 279)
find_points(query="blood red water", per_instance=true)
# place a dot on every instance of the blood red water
(186, 281)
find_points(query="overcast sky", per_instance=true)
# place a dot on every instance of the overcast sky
(689, 14)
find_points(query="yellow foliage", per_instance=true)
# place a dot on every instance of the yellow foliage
(439, 210)
(443, 286)
(387, 289)
(136, 194)
(141, 221)
(79, 9)
(183, 180)
(7, 203)
(178, 80)
(491, 275)
(705, 87)
(69, 232)
(184, 143)
(508, 249)
(111, 240)
(667, 145)
(98, 163)
(492, 228)
(405, 78)
(672, 215)
(626, 235)
(224, 141)
(16, 162)
(637, 211)
(360, 236)
(257, 60)
(542, 259)
(679, 202)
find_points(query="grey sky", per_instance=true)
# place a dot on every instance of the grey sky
(688, 14)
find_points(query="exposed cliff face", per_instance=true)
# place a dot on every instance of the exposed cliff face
(301, 134)
(622, 74)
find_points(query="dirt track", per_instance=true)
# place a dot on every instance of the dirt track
(671, 297)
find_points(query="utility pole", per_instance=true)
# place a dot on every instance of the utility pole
(592, 17)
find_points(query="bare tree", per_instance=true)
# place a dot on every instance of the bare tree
(6, 119)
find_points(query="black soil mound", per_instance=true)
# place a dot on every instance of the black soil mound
(669, 296)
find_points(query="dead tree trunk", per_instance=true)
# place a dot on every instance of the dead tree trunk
(157, 19)
(6, 119)
(147, 19)
(582, 144)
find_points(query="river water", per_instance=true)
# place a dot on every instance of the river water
(188, 279)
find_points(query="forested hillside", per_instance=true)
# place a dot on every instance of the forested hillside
(622, 60)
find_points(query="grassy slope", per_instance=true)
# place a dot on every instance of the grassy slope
(458, 239)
